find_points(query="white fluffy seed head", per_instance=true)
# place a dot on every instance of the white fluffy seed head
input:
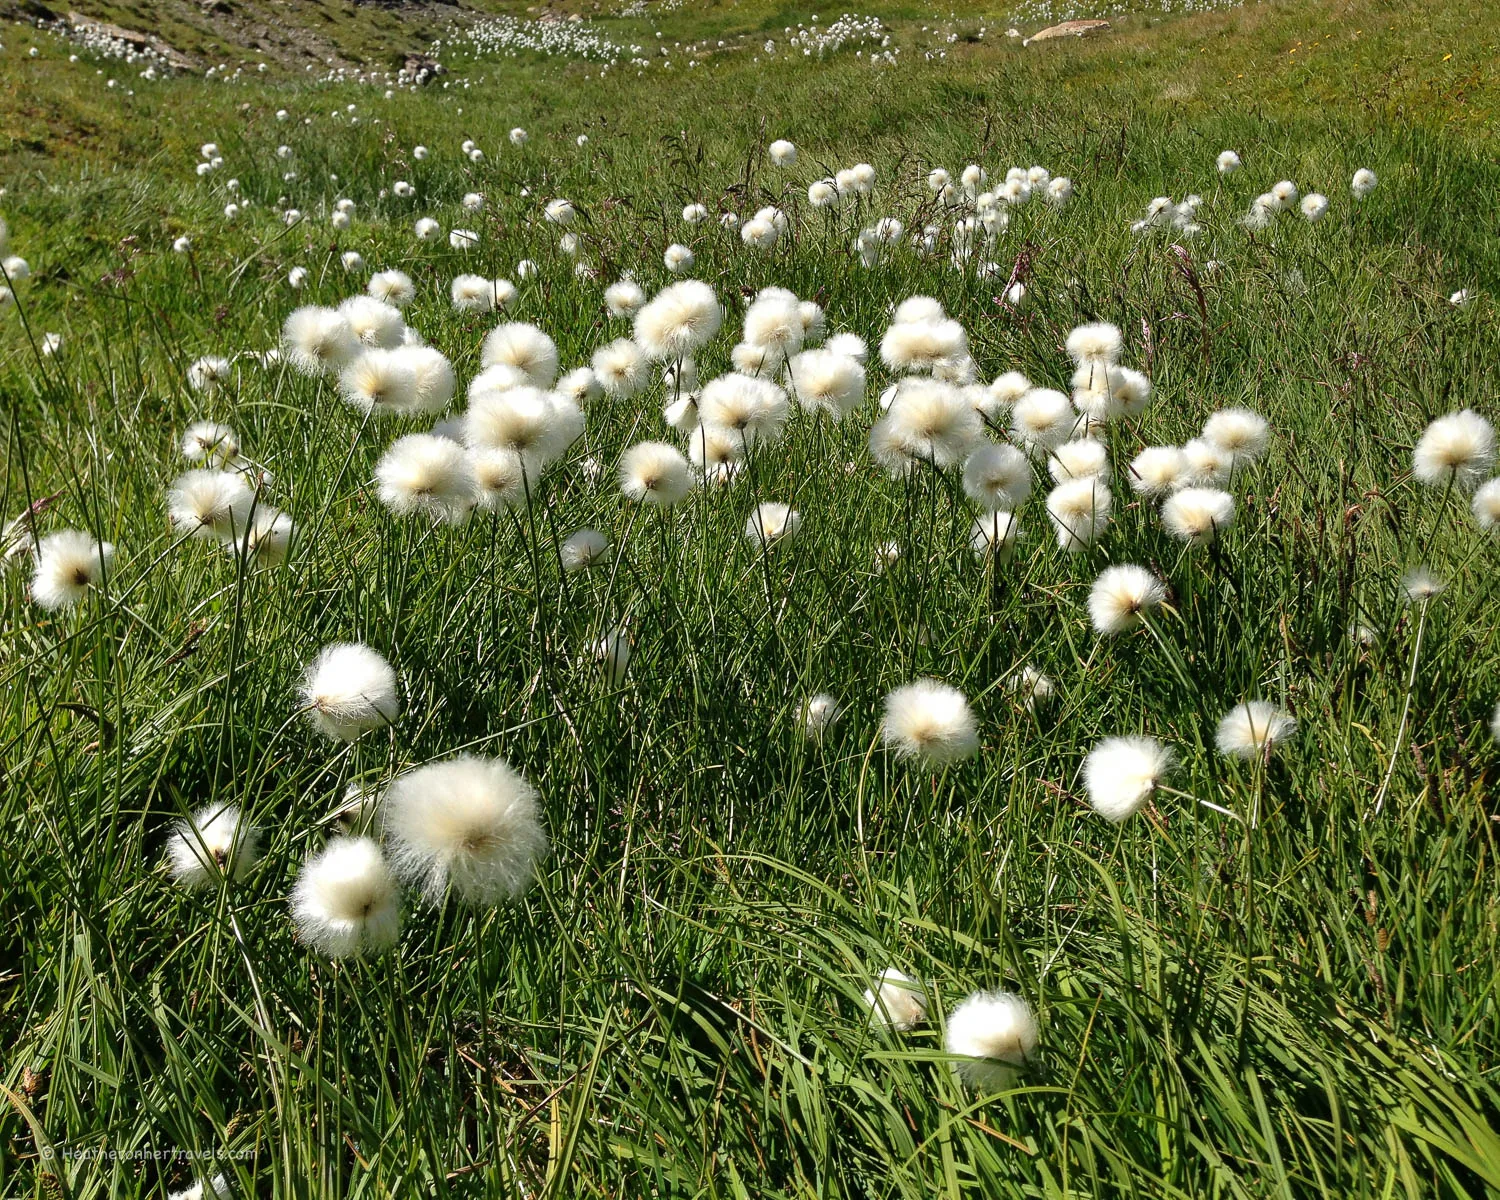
(1486, 506)
(624, 298)
(380, 382)
(583, 549)
(655, 473)
(717, 454)
(267, 538)
(995, 1034)
(896, 1001)
(817, 715)
(208, 441)
(348, 690)
(373, 322)
(468, 825)
(317, 341)
(1080, 512)
(1208, 463)
(346, 902)
(472, 293)
(500, 480)
(995, 533)
(425, 475)
(1253, 729)
(1363, 183)
(827, 381)
(1158, 470)
(393, 287)
(1457, 450)
(1122, 595)
(678, 320)
(1086, 459)
(581, 386)
(622, 368)
(1031, 687)
(771, 523)
(207, 374)
(997, 476)
(537, 426)
(1239, 433)
(68, 563)
(1122, 773)
(1098, 343)
(751, 408)
(524, 347)
(1196, 515)
(1419, 585)
(1043, 418)
(931, 722)
(915, 346)
(928, 421)
(216, 842)
(774, 323)
(209, 505)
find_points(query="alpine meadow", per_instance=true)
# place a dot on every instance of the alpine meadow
(716, 598)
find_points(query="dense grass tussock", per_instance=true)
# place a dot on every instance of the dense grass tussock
(727, 656)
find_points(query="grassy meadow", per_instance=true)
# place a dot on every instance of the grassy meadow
(1277, 978)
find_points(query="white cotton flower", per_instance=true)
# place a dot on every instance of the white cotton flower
(915, 310)
(266, 540)
(1486, 506)
(1285, 193)
(1457, 450)
(1060, 191)
(1122, 595)
(717, 454)
(611, 654)
(1420, 585)
(1158, 470)
(317, 340)
(1080, 512)
(394, 287)
(216, 842)
(929, 721)
(774, 323)
(68, 563)
(1122, 773)
(1363, 183)
(348, 690)
(826, 381)
(472, 202)
(182, 245)
(472, 293)
(783, 153)
(994, 1034)
(209, 504)
(537, 426)
(209, 441)
(911, 346)
(1196, 515)
(622, 368)
(1253, 729)
(1208, 463)
(655, 473)
(422, 475)
(500, 480)
(771, 523)
(524, 347)
(678, 320)
(997, 477)
(1314, 205)
(1042, 419)
(518, 136)
(560, 212)
(822, 193)
(752, 409)
(928, 421)
(373, 322)
(694, 214)
(682, 413)
(896, 1001)
(1241, 434)
(1004, 394)
(1031, 687)
(352, 260)
(849, 345)
(346, 901)
(1086, 459)
(995, 533)
(381, 382)
(209, 373)
(1229, 162)
(468, 825)
(678, 258)
(624, 298)
(463, 239)
(1097, 344)
(817, 715)
(581, 386)
(435, 380)
(583, 549)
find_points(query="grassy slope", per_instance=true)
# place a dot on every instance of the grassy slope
(1307, 1013)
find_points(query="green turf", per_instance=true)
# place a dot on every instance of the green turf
(1303, 1009)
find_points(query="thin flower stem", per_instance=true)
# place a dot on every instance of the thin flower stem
(1411, 682)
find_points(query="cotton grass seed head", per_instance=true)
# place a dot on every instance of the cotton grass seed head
(583, 549)
(930, 722)
(896, 1001)
(469, 825)
(771, 523)
(1080, 512)
(68, 563)
(393, 287)
(678, 320)
(994, 1034)
(624, 298)
(500, 479)
(1031, 687)
(655, 473)
(753, 409)
(317, 341)
(216, 842)
(1042, 419)
(349, 689)
(1197, 515)
(1420, 585)
(537, 426)
(1457, 450)
(928, 421)
(1253, 729)
(373, 322)
(1158, 471)
(817, 715)
(622, 368)
(346, 902)
(422, 475)
(1122, 773)
(827, 381)
(994, 534)
(1086, 459)
(524, 347)
(209, 505)
(1241, 434)
(1098, 343)
(266, 540)
(997, 476)
(1486, 506)
(379, 382)
(915, 346)
(1122, 595)
(209, 441)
